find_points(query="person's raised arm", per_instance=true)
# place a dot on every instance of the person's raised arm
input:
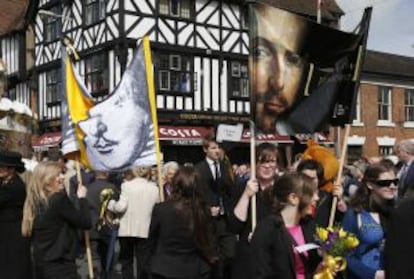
(241, 210)
(81, 217)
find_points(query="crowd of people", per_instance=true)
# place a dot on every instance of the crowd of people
(204, 228)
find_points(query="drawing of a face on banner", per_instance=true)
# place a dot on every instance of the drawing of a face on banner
(278, 65)
(119, 130)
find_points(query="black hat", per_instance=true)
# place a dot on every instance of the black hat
(12, 159)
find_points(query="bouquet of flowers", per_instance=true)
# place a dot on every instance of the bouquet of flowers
(335, 244)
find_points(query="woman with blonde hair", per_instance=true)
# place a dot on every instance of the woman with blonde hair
(138, 197)
(51, 220)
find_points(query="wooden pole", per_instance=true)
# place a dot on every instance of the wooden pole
(86, 233)
(253, 172)
(319, 12)
(339, 176)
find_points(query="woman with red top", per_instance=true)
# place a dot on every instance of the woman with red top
(278, 238)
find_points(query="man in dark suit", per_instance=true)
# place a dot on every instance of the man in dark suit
(399, 245)
(405, 152)
(217, 188)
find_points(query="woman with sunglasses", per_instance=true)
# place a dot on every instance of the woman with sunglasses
(52, 222)
(368, 219)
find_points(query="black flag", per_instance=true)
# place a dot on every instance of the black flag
(304, 75)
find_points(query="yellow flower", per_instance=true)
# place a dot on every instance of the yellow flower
(342, 233)
(322, 234)
(351, 242)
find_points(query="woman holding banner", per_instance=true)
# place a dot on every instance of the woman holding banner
(240, 219)
(51, 220)
(368, 220)
(278, 243)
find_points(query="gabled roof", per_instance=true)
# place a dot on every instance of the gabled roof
(16, 14)
(389, 64)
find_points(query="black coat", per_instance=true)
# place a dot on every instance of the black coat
(272, 250)
(174, 251)
(55, 226)
(15, 250)
(213, 192)
(399, 244)
(240, 265)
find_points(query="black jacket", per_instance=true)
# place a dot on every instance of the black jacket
(54, 235)
(15, 250)
(399, 244)
(174, 251)
(240, 265)
(272, 250)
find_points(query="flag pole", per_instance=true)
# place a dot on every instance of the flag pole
(253, 172)
(252, 76)
(151, 97)
(86, 233)
(339, 176)
(319, 12)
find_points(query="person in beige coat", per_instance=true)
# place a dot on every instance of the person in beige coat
(135, 204)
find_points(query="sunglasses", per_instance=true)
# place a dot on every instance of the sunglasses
(386, 182)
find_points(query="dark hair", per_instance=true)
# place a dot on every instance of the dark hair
(388, 163)
(362, 199)
(187, 195)
(266, 151)
(297, 183)
(311, 164)
(207, 139)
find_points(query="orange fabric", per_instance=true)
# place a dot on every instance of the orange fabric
(326, 158)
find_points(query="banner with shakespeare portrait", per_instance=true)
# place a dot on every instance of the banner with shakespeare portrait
(119, 132)
(304, 75)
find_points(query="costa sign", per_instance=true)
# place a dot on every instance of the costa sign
(183, 132)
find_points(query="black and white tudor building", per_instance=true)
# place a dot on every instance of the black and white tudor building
(199, 50)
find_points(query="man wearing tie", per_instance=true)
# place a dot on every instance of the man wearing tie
(218, 185)
(405, 152)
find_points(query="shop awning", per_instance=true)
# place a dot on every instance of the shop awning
(181, 135)
(43, 142)
(192, 135)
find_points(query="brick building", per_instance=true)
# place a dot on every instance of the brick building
(385, 106)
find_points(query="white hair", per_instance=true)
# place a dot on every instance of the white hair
(169, 165)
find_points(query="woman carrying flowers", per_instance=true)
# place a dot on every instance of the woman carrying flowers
(367, 219)
(277, 241)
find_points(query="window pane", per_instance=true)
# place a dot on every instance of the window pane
(185, 9)
(175, 62)
(235, 69)
(238, 79)
(174, 72)
(163, 9)
(164, 80)
(236, 87)
(96, 73)
(244, 88)
(409, 105)
(175, 7)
